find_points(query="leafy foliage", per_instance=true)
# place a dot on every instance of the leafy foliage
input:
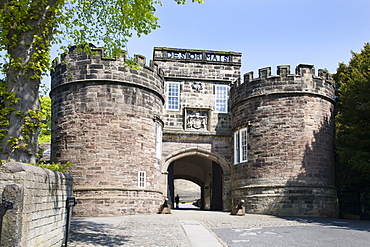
(45, 124)
(5, 110)
(55, 166)
(39, 18)
(28, 29)
(109, 23)
(353, 119)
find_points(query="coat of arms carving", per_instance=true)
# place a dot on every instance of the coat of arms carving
(197, 120)
(197, 86)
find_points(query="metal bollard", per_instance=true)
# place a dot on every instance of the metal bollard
(71, 201)
(5, 205)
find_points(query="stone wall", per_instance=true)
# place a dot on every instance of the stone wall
(105, 119)
(199, 64)
(198, 76)
(290, 167)
(198, 72)
(38, 217)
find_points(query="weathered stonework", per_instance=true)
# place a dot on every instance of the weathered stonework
(104, 122)
(197, 124)
(106, 118)
(38, 217)
(290, 167)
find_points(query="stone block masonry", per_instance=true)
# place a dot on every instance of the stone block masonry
(39, 215)
(290, 165)
(198, 73)
(266, 140)
(105, 120)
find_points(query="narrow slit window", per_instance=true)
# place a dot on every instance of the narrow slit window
(158, 141)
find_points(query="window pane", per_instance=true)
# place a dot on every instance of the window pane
(221, 95)
(243, 145)
(236, 147)
(173, 96)
(141, 179)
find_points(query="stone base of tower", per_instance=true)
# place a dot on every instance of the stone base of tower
(96, 201)
(313, 201)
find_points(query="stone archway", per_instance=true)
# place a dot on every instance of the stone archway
(206, 169)
(224, 164)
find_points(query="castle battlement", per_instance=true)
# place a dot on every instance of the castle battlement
(283, 71)
(268, 141)
(77, 66)
(304, 81)
(98, 53)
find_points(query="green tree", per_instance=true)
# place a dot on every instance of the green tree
(353, 120)
(45, 123)
(28, 29)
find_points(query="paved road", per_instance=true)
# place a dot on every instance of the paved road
(208, 228)
(315, 233)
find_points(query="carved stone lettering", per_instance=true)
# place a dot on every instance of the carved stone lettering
(176, 55)
(198, 56)
(195, 56)
(217, 58)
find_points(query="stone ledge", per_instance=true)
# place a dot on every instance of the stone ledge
(88, 188)
(125, 198)
(290, 195)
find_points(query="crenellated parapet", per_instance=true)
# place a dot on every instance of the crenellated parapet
(77, 66)
(304, 81)
(131, 132)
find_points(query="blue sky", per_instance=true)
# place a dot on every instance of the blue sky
(268, 32)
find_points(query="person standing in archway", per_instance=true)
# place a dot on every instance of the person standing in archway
(177, 200)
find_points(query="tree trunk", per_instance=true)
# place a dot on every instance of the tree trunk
(20, 142)
(27, 90)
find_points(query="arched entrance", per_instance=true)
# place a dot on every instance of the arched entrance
(203, 168)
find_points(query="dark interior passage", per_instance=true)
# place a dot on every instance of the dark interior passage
(201, 171)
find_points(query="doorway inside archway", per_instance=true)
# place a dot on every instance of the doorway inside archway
(202, 171)
(189, 193)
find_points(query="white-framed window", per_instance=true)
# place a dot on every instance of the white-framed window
(158, 141)
(243, 139)
(236, 147)
(221, 97)
(173, 96)
(241, 146)
(141, 175)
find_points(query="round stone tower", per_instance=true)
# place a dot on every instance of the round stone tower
(284, 142)
(107, 122)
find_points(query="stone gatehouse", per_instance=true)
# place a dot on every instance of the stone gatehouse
(189, 115)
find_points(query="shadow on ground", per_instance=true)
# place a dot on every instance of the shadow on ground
(85, 232)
